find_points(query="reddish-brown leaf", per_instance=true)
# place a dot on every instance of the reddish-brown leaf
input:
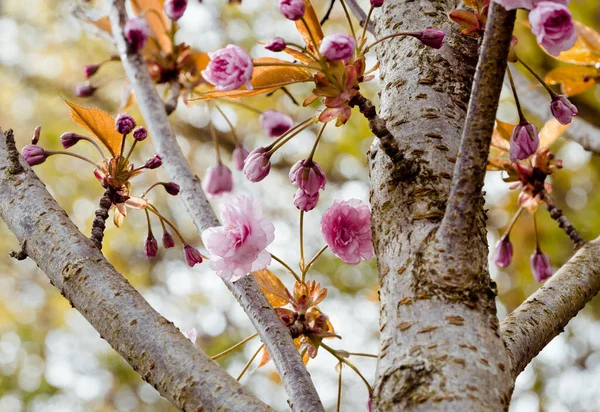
(272, 287)
(573, 79)
(100, 124)
(311, 32)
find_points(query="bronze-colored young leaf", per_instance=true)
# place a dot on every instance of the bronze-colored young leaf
(100, 124)
(310, 28)
(159, 24)
(573, 79)
(265, 358)
(272, 287)
(265, 79)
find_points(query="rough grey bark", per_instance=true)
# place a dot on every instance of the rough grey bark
(440, 347)
(273, 333)
(530, 327)
(537, 102)
(151, 344)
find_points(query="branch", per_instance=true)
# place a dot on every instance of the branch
(469, 172)
(151, 344)
(530, 327)
(537, 103)
(273, 333)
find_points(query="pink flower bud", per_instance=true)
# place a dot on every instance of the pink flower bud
(34, 155)
(192, 255)
(137, 31)
(174, 9)
(540, 265)
(89, 70)
(276, 45)
(140, 133)
(154, 162)
(172, 188)
(229, 68)
(305, 202)
(553, 26)
(376, 3)
(85, 89)
(504, 252)
(151, 246)
(167, 240)
(257, 165)
(562, 109)
(70, 139)
(239, 156)
(275, 123)
(124, 123)
(292, 9)
(346, 227)
(431, 37)
(524, 141)
(308, 176)
(337, 46)
(218, 180)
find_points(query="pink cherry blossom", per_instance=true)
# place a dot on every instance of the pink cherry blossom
(526, 4)
(218, 180)
(238, 247)
(229, 68)
(553, 26)
(346, 227)
(191, 334)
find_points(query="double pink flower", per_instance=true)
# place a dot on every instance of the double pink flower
(229, 68)
(238, 247)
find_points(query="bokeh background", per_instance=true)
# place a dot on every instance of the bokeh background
(51, 359)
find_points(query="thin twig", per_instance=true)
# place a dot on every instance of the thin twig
(563, 223)
(101, 215)
(327, 13)
(360, 14)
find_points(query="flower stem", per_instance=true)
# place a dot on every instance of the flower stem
(350, 364)
(343, 3)
(312, 261)
(363, 37)
(314, 148)
(285, 265)
(154, 210)
(535, 230)
(514, 90)
(366, 355)
(389, 36)
(95, 145)
(250, 362)
(301, 263)
(131, 149)
(339, 393)
(312, 37)
(539, 79)
(85, 159)
(234, 347)
(123, 143)
(213, 133)
(512, 222)
(235, 138)
(276, 145)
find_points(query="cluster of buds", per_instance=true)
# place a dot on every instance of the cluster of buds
(115, 173)
(168, 62)
(336, 65)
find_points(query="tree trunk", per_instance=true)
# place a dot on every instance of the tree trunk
(440, 346)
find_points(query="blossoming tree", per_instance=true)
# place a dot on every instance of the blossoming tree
(436, 134)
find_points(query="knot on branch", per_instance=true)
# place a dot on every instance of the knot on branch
(14, 164)
(99, 223)
(378, 127)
